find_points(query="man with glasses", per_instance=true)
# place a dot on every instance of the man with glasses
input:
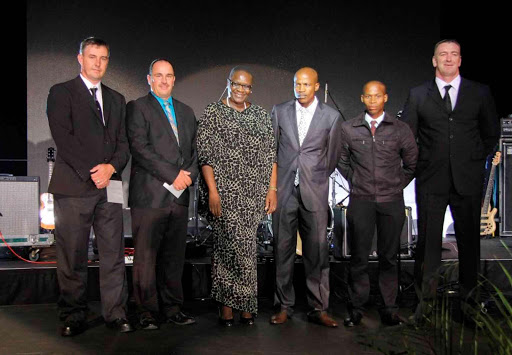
(162, 135)
(307, 134)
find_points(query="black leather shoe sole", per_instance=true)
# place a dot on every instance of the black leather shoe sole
(72, 330)
(353, 320)
(181, 319)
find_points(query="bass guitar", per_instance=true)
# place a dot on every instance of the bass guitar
(487, 223)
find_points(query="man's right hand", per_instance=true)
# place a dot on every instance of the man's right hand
(182, 181)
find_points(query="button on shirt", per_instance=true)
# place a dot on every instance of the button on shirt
(308, 113)
(454, 90)
(90, 85)
(162, 103)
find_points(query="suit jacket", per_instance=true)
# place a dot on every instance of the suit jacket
(316, 159)
(156, 155)
(452, 144)
(81, 138)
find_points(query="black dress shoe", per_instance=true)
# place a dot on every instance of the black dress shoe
(73, 328)
(147, 322)
(391, 319)
(226, 322)
(247, 321)
(353, 319)
(121, 325)
(180, 318)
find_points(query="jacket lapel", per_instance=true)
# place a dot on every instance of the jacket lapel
(435, 95)
(107, 104)
(317, 116)
(292, 115)
(87, 96)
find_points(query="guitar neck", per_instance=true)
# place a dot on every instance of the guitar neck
(488, 191)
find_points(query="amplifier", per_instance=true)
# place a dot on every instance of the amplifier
(506, 127)
(19, 205)
(505, 187)
(342, 238)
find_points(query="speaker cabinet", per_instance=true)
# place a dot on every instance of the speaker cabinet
(342, 238)
(19, 205)
(505, 187)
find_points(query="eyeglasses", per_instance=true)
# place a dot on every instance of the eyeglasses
(236, 85)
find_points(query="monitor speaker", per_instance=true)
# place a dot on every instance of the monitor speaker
(505, 187)
(19, 205)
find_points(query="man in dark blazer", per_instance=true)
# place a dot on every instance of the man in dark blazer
(307, 133)
(87, 122)
(162, 135)
(455, 124)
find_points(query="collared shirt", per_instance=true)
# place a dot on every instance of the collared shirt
(162, 103)
(454, 90)
(308, 112)
(369, 119)
(90, 85)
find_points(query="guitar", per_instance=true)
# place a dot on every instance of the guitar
(487, 224)
(46, 210)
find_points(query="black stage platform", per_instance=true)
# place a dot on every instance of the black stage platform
(29, 322)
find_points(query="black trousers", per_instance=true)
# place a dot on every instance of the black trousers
(362, 218)
(160, 238)
(465, 211)
(74, 217)
(312, 226)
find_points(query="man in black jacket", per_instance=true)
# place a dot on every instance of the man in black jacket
(378, 159)
(456, 125)
(87, 121)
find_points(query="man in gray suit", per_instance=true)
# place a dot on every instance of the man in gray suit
(307, 134)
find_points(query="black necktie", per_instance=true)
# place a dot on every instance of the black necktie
(447, 100)
(98, 106)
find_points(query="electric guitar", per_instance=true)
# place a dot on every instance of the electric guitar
(487, 224)
(46, 210)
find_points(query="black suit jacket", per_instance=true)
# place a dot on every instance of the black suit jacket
(156, 155)
(81, 138)
(452, 145)
(316, 159)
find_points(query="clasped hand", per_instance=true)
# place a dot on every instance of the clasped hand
(101, 175)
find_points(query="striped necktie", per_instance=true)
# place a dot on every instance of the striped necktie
(170, 117)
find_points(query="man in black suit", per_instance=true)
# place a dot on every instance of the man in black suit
(307, 135)
(378, 158)
(162, 135)
(87, 122)
(455, 123)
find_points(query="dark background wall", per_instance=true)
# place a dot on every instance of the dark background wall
(349, 43)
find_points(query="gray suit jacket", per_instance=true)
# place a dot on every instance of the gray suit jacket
(316, 158)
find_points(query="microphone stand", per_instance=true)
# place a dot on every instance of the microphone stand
(328, 93)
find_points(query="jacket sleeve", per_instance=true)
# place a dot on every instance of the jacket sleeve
(70, 149)
(408, 153)
(334, 151)
(344, 166)
(410, 113)
(488, 121)
(122, 153)
(193, 167)
(142, 148)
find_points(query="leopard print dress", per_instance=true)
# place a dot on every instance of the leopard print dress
(239, 146)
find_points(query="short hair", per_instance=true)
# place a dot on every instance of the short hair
(157, 60)
(239, 68)
(446, 41)
(93, 41)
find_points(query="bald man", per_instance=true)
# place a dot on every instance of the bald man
(378, 159)
(307, 135)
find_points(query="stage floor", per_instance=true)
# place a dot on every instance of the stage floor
(29, 322)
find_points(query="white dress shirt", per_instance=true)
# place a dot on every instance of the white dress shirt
(454, 90)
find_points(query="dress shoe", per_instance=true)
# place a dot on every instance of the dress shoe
(180, 318)
(391, 319)
(73, 328)
(148, 322)
(279, 318)
(247, 321)
(121, 325)
(353, 319)
(322, 318)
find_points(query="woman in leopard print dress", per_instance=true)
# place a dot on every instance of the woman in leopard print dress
(236, 153)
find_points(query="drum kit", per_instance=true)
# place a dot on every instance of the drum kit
(199, 230)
